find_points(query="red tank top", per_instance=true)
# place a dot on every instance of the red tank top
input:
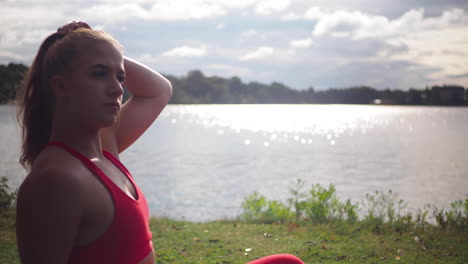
(128, 239)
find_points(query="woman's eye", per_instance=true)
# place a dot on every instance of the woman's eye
(99, 73)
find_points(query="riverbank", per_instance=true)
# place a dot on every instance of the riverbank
(238, 242)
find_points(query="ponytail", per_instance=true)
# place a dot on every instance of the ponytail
(35, 103)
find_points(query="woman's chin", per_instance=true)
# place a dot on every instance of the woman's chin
(108, 122)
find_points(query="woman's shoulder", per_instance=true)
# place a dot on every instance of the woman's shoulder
(57, 161)
(55, 173)
(50, 206)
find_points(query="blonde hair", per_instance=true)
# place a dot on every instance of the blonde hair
(35, 98)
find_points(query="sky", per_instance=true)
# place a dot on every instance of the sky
(398, 44)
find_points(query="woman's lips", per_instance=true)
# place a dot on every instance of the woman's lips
(115, 106)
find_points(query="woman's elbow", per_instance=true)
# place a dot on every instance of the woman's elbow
(167, 89)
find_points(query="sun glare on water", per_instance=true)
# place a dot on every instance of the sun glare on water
(317, 120)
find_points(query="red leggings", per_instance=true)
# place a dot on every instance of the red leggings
(278, 259)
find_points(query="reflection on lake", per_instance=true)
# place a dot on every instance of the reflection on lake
(199, 162)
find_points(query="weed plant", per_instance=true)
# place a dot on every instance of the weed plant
(7, 198)
(383, 211)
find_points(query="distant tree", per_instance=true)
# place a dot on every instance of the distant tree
(466, 97)
(196, 88)
(179, 93)
(414, 97)
(237, 90)
(307, 96)
(282, 94)
(196, 84)
(10, 76)
(218, 90)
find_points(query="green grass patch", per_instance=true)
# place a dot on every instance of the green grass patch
(8, 249)
(314, 225)
(239, 242)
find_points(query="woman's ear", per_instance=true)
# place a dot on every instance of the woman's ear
(58, 85)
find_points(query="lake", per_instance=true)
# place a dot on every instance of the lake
(198, 162)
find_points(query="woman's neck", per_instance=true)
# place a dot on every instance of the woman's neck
(81, 138)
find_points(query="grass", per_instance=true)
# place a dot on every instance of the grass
(8, 250)
(314, 225)
(332, 242)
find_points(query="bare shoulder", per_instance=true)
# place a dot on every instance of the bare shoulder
(55, 173)
(53, 184)
(48, 193)
(49, 209)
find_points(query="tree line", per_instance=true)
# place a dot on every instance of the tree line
(196, 88)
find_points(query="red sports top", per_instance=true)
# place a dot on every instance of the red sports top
(128, 239)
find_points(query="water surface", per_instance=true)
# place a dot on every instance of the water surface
(198, 162)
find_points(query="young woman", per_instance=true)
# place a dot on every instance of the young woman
(79, 204)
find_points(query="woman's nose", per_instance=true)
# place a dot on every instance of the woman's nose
(116, 88)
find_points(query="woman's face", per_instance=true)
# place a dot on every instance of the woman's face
(93, 84)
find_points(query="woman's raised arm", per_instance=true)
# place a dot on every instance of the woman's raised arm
(150, 94)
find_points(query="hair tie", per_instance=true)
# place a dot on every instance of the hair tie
(74, 25)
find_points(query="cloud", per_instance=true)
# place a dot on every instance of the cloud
(161, 10)
(298, 36)
(314, 13)
(147, 58)
(111, 13)
(226, 70)
(185, 51)
(186, 10)
(382, 74)
(6, 57)
(412, 37)
(358, 25)
(301, 43)
(226, 3)
(291, 16)
(249, 33)
(354, 24)
(447, 51)
(268, 7)
(14, 15)
(260, 53)
(164, 10)
(458, 76)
